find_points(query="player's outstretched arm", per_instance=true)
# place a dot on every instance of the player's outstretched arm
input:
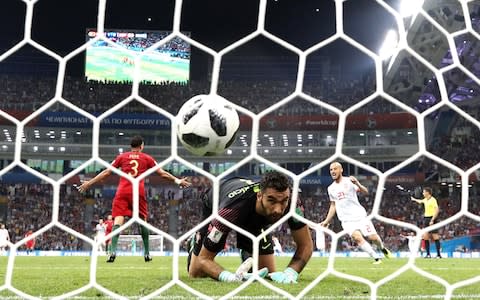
(331, 212)
(363, 189)
(416, 200)
(88, 183)
(183, 182)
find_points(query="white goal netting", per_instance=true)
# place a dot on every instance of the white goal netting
(424, 82)
(132, 244)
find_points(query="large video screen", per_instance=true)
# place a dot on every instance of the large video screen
(168, 62)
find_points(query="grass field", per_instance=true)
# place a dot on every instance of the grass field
(46, 277)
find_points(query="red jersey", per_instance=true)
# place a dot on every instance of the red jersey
(133, 163)
(108, 226)
(30, 244)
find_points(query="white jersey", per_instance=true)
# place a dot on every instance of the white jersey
(276, 245)
(412, 242)
(100, 229)
(319, 239)
(4, 237)
(344, 194)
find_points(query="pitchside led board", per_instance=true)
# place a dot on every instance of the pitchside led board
(168, 62)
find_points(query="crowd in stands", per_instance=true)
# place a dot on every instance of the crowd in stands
(29, 207)
(29, 94)
(461, 146)
(144, 41)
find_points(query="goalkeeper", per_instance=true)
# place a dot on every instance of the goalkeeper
(253, 206)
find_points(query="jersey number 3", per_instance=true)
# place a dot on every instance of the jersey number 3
(134, 168)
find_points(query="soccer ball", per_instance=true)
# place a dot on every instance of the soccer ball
(207, 124)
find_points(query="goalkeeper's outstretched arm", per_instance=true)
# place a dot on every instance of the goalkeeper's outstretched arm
(302, 255)
(304, 242)
(204, 265)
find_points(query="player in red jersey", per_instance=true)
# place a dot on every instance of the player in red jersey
(134, 163)
(30, 244)
(108, 229)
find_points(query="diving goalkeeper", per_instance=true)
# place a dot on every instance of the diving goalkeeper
(253, 206)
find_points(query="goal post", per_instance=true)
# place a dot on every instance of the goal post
(132, 244)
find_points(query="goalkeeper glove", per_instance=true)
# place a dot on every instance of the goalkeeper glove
(226, 276)
(287, 276)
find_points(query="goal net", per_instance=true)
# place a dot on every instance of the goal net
(311, 86)
(133, 245)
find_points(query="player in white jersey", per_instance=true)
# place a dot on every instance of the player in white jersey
(277, 247)
(344, 202)
(100, 229)
(4, 238)
(412, 242)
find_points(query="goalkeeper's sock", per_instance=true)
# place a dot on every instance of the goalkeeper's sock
(113, 248)
(226, 276)
(145, 238)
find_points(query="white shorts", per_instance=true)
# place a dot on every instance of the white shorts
(411, 246)
(365, 226)
(99, 237)
(3, 244)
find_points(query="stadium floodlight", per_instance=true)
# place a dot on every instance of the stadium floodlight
(389, 44)
(410, 8)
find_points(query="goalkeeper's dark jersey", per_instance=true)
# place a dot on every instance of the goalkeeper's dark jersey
(237, 205)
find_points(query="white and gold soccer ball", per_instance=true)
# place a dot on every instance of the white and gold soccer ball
(207, 125)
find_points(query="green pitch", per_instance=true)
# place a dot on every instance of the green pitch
(45, 277)
(117, 64)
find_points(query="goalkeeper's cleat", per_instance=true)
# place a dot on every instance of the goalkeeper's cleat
(111, 257)
(148, 258)
(244, 268)
(387, 253)
(262, 273)
(377, 261)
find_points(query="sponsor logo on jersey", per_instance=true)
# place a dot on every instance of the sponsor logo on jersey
(239, 191)
(266, 246)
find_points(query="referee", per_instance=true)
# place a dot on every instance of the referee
(430, 218)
